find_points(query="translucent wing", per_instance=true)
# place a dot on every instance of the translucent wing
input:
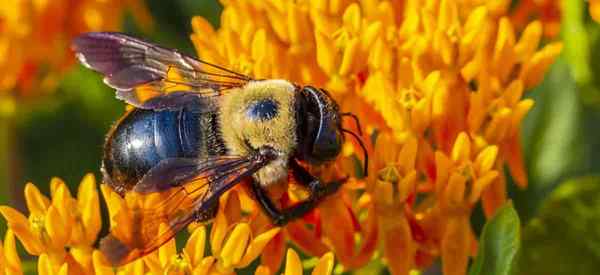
(155, 210)
(140, 70)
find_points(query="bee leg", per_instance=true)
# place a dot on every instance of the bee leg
(208, 213)
(318, 191)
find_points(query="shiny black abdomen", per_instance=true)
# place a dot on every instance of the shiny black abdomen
(142, 138)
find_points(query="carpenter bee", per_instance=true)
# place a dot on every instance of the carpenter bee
(197, 130)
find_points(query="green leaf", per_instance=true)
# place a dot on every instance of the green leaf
(554, 139)
(499, 244)
(565, 238)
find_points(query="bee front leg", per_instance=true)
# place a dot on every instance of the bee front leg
(317, 189)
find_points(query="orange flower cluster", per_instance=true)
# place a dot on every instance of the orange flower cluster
(438, 85)
(61, 232)
(35, 38)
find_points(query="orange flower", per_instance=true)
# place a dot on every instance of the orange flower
(34, 38)
(440, 84)
(57, 224)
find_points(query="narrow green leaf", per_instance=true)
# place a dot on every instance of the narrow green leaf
(499, 244)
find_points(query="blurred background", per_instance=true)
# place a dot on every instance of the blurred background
(54, 116)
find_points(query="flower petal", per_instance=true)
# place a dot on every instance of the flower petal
(58, 232)
(256, 246)
(167, 250)
(20, 226)
(262, 270)
(293, 266)
(195, 245)
(11, 259)
(235, 246)
(325, 265)
(36, 202)
(101, 265)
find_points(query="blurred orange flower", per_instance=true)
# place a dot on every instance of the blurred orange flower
(35, 38)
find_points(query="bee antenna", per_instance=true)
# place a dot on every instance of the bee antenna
(364, 149)
(356, 120)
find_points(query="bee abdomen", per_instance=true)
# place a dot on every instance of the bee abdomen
(142, 138)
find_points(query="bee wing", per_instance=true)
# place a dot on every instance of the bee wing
(168, 199)
(140, 70)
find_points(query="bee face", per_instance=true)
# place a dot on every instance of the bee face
(319, 126)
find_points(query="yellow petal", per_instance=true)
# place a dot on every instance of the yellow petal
(533, 71)
(167, 250)
(293, 266)
(472, 28)
(89, 205)
(461, 151)
(408, 155)
(58, 232)
(297, 22)
(64, 269)
(442, 168)
(152, 261)
(480, 184)
(101, 265)
(205, 266)
(218, 232)
(325, 265)
(349, 58)
(256, 246)
(12, 261)
(504, 56)
(44, 267)
(20, 226)
(381, 56)
(235, 245)
(195, 245)
(262, 270)
(55, 183)
(519, 113)
(202, 27)
(87, 187)
(448, 15)
(513, 92)
(406, 186)
(36, 202)
(259, 45)
(529, 41)
(369, 36)
(499, 126)
(352, 18)
(455, 192)
(64, 203)
(421, 116)
(326, 53)
(114, 202)
(486, 159)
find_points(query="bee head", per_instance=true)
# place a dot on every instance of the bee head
(319, 132)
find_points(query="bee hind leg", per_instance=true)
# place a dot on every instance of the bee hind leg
(318, 191)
